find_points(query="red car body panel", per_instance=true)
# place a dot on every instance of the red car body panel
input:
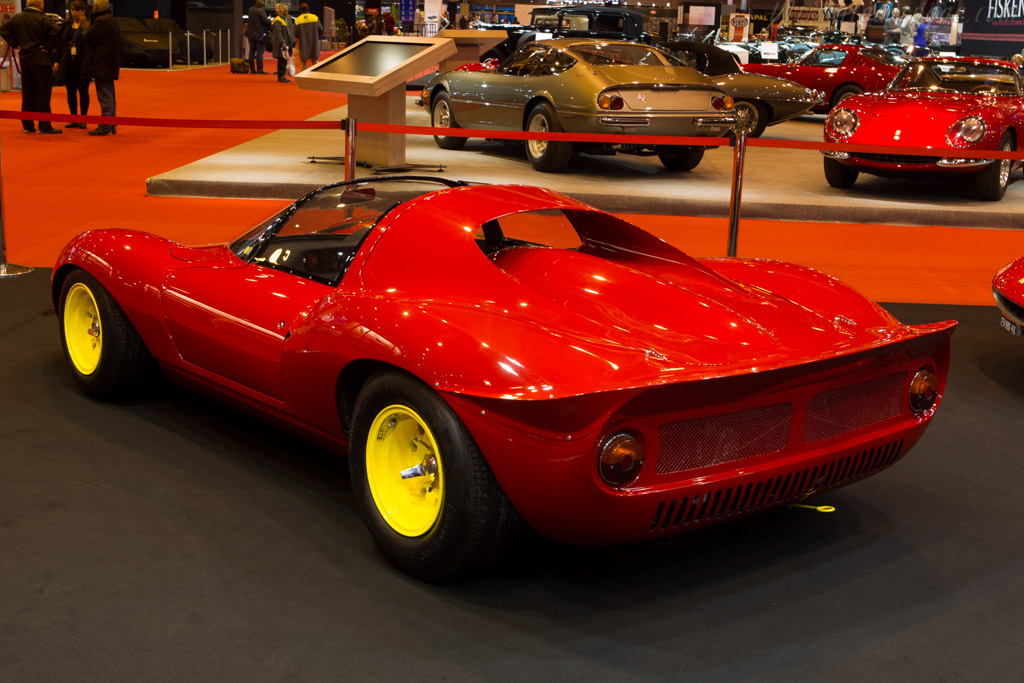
(543, 353)
(1008, 290)
(856, 69)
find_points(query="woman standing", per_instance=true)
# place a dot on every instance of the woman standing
(70, 56)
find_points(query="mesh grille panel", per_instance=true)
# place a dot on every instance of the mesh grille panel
(842, 410)
(717, 439)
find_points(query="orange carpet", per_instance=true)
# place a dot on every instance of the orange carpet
(57, 186)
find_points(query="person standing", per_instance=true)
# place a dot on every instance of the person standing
(70, 56)
(256, 32)
(908, 27)
(282, 40)
(103, 61)
(36, 35)
(308, 32)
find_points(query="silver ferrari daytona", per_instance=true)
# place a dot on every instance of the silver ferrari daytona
(583, 86)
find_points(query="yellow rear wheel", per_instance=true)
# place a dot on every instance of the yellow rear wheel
(423, 488)
(83, 330)
(403, 469)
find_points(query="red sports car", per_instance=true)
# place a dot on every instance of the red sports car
(1008, 290)
(963, 104)
(489, 355)
(839, 71)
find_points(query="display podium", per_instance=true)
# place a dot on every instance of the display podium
(470, 44)
(373, 73)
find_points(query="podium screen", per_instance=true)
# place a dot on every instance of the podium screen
(369, 58)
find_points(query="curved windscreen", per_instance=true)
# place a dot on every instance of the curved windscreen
(959, 77)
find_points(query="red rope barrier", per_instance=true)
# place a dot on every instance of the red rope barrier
(512, 135)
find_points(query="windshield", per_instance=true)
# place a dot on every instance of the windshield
(620, 53)
(319, 235)
(958, 77)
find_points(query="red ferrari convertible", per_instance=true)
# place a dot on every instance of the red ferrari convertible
(839, 71)
(963, 104)
(1008, 290)
(489, 355)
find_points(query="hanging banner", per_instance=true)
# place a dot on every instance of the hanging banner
(739, 27)
(991, 27)
(407, 11)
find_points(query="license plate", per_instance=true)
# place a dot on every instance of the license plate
(1010, 326)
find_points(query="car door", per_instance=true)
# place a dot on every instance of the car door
(233, 322)
(232, 316)
(505, 90)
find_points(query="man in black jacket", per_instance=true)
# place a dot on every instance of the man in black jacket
(35, 34)
(257, 32)
(103, 60)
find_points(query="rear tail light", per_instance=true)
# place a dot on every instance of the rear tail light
(621, 459)
(614, 102)
(924, 392)
(722, 102)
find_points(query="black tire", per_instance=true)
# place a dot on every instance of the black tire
(753, 116)
(451, 518)
(842, 93)
(840, 175)
(105, 353)
(990, 184)
(441, 116)
(681, 158)
(546, 155)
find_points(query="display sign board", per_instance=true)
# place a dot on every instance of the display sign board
(991, 27)
(739, 27)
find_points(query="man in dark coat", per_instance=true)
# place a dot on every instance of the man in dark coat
(36, 35)
(103, 60)
(257, 29)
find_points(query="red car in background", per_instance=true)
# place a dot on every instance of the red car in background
(839, 71)
(963, 104)
(489, 355)
(1008, 290)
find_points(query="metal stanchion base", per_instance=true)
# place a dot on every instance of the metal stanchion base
(11, 270)
(377, 170)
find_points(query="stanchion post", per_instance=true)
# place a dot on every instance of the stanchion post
(188, 49)
(170, 50)
(740, 151)
(349, 126)
(7, 269)
(204, 47)
(220, 46)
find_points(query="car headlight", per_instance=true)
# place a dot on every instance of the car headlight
(841, 123)
(620, 459)
(968, 131)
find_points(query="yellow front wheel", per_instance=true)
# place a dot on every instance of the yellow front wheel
(426, 493)
(103, 350)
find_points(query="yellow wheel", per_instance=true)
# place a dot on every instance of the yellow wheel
(103, 351)
(423, 488)
(82, 329)
(403, 468)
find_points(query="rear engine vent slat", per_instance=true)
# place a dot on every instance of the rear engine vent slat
(734, 501)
